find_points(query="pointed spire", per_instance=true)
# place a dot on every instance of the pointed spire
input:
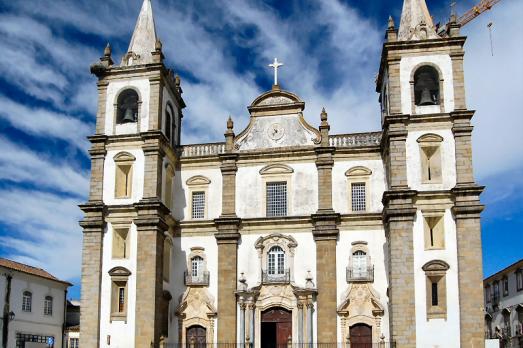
(416, 22)
(144, 39)
(390, 24)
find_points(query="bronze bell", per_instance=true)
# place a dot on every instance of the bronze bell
(425, 98)
(128, 115)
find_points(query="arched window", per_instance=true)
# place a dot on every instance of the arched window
(359, 264)
(127, 107)
(48, 305)
(276, 261)
(426, 86)
(27, 300)
(196, 266)
(168, 121)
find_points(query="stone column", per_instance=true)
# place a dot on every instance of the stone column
(300, 322)
(242, 323)
(325, 234)
(253, 322)
(310, 329)
(93, 226)
(149, 267)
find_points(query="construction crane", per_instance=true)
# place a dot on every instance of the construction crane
(484, 5)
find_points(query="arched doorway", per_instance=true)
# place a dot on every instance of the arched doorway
(276, 327)
(360, 336)
(196, 335)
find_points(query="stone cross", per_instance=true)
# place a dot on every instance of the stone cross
(275, 65)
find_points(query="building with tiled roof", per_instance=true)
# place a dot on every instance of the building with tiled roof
(34, 306)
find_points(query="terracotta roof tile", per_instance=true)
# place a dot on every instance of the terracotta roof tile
(20, 267)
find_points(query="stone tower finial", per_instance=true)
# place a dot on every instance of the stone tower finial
(143, 42)
(416, 22)
(390, 24)
(324, 128)
(107, 50)
(229, 135)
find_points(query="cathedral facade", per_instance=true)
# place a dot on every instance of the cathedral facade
(285, 233)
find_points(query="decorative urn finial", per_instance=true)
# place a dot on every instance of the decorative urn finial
(108, 50)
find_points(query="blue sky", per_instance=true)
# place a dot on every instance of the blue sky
(221, 48)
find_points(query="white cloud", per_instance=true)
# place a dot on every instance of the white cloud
(21, 165)
(45, 230)
(42, 122)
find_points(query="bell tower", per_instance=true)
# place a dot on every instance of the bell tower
(431, 206)
(127, 218)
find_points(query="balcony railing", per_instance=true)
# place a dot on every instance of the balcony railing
(360, 274)
(289, 344)
(202, 279)
(283, 278)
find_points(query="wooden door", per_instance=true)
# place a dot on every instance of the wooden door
(282, 320)
(361, 336)
(197, 335)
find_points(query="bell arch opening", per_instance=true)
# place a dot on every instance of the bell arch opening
(127, 107)
(426, 86)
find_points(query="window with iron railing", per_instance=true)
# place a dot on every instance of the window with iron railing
(360, 269)
(201, 278)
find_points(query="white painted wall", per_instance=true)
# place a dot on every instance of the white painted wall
(121, 332)
(407, 66)
(436, 332)
(181, 250)
(182, 193)
(448, 160)
(114, 88)
(376, 244)
(302, 191)
(137, 177)
(341, 190)
(34, 322)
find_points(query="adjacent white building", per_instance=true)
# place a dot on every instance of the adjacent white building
(504, 306)
(33, 303)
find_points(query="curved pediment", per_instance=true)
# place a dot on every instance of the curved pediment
(358, 171)
(124, 157)
(430, 138)
(198, 180)
(119, 271)
(276, 168)
(435, 265)
(276, 97)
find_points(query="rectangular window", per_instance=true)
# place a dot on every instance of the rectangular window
(431, 164)
(434, 232)
(488, 294)
(276, 199)
(120, 243)
(23, 338)
(505, 286)
(519, 280)
(121, 300)
(123, 180)
(434, 293)
(198, 205)
(358, 196)
(48, 305)
(73, 343)
(26, 301)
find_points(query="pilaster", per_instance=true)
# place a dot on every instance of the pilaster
(462, 130)
(93, 226)
(155, 102)
(102, 103)
(466, 210)
(458, 80)
(227, 238)
(394, 140)
(97, 153)
(151, 225)
(325, 234)
(398, 215)
(154, 153)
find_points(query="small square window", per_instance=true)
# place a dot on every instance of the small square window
(276, 196)
(358, 195)
(198, 205)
